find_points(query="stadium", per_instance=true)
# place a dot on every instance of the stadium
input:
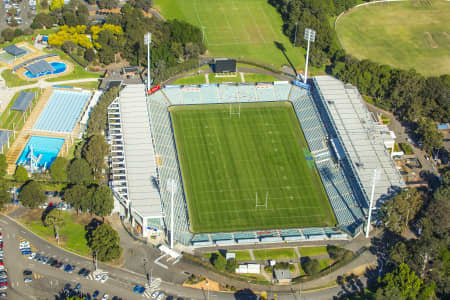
(229, 164)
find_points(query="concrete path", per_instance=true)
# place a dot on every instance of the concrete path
(252, 256)
(242, 76)
(297, 252)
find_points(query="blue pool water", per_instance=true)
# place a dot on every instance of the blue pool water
(45, 147)
(58, 66)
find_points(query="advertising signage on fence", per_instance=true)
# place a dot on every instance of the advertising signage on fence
(154, 89)
(301, 84)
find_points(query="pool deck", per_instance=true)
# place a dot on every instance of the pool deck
(27, 131)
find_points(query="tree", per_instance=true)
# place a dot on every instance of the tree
(401, 209)
(108, 4)
(3, 165)
(42, 20)
(32, 195)
(429, 135)
(5, 196)
(106, 56)
(101, 201)
(231, 265)
(21, 174)
(104, 242)
(218, 261)
(142, 4)
(89, 55)
(402, 283)
(44, 4)
(56, 4)
(311, 266)
(55, 219)
(78, 171)
(8, 34)
(58, 170)
(336, 252)
(94, 152)
(78, 197)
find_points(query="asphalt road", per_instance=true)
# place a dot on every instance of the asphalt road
(48, 281)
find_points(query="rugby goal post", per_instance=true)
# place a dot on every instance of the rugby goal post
(232, 112)
(264, 204)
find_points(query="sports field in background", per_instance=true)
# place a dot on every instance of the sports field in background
(237, 28)
(232, 163)
(403, 34)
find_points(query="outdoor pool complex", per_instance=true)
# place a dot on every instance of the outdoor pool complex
(58, 66)
(45, 150)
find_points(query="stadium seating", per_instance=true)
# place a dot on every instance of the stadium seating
(62, 111)
(282, 91)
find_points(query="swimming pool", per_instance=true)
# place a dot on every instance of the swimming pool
(45, 149)
(58, 66)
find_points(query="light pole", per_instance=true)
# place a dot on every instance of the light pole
(207, 284)
(173, 185)
(295, 36)
(372, 194)
(310, 36)
(148, 41)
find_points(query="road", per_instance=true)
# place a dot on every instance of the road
(49, 281)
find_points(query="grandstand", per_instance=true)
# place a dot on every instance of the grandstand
(346, 186)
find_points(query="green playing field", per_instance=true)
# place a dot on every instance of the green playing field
(247, 171)
(243, 29)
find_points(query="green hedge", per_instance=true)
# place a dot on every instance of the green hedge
(79, 60)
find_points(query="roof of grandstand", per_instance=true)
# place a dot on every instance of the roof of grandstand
(39, 67)
(14, 50)
(361, 137)
(23, 101)
(139, 153)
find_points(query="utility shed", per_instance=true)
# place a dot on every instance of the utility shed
(282, 275)
(14, 50)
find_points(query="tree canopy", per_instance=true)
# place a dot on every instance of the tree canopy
(78, 197)
(102, 201)
(31, 195)
(55, 219)
(3, 165)
(21, 174)
(78, 171)
(58, 170)
(401, 209)
(104, 242)
(94, 152)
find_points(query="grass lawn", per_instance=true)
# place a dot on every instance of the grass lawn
(12, 80)
(77, 73)
(246, 29)
(231, 164)
(324, 263)
(281, 253)
(9, 118)
(196, 79)
(214, 79)
(312, 251)
(259, 78)
(242, 255)
(404, 35)
(88, 85)
(72, 234)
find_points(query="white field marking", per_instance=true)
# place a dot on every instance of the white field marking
(229, 24)
(268, 22)
(241, 23)
(198, 18)
(255, 24)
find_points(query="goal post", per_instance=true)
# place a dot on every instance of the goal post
(264, 204)
(233, 111)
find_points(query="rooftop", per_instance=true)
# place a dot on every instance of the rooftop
(39, 67)
(362, 138)
(14, 50)
(23, 101)
(139, 153)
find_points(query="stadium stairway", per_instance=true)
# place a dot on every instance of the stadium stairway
(14, 152)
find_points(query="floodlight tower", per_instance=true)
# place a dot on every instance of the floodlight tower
(310, 36)
(372, 194)
(148, 41)
(173, 186)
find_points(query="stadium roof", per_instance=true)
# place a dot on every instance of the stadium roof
(39, 67)
(14, 50)
(140, 160)
(362, 138)
(4, 136)
(23, 102)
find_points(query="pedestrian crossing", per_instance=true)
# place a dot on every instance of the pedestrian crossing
(149, 289)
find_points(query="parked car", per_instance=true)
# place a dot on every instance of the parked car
(77, 288)
(142, 290)
(68, 268)
(161, 296)
(3, 295)
(105, 297)
(154, 294)
(27, 273)
(27, 279)
(95, 294)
